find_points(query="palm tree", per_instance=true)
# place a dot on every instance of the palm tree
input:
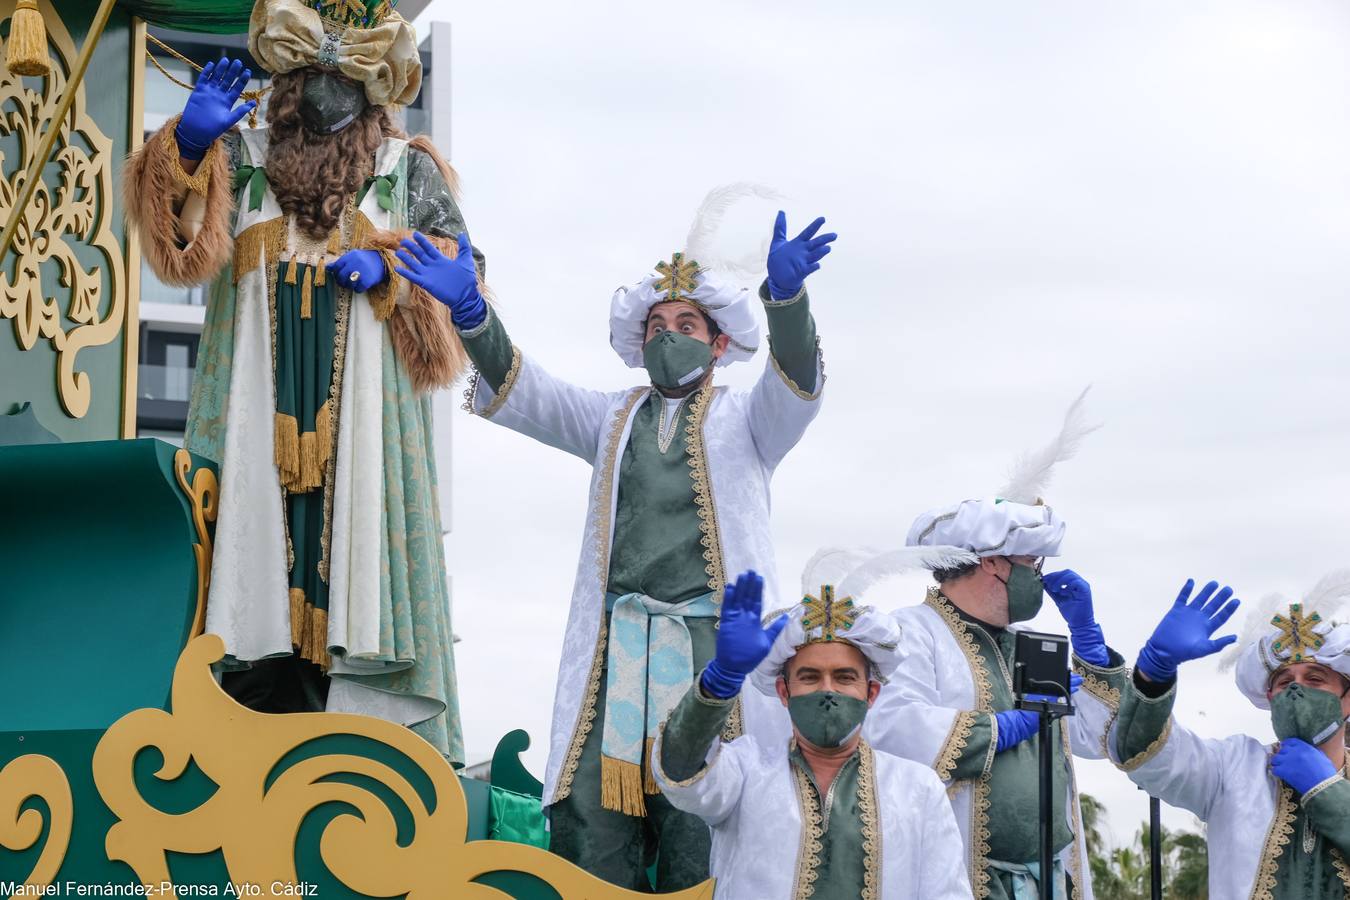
(1122, 873)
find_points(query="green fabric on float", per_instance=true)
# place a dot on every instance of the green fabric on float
(210, 16)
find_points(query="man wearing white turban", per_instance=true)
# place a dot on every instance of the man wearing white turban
(951, 702)
(660, 532)
(1277, 816)
(822, 814)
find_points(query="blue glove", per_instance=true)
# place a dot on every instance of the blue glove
(1301, 765)
(1184, 633)
(366, 265)
(1016, 725)
(210, 109)
(1073, 596)
(791, 261)
(741, 641)
(454, 282)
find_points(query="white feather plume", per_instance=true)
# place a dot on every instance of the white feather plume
(1031, 474)
(829, 565)
(1330, 598)
(701, 245)
(895, 562)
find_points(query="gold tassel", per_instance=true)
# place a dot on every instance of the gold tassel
(323, 433)
(307, 293)
(649, 785)
(286, 450)
(26, 50)
(310, 473)
(621, 787)
(335, 241)
(321, 272)
(291, 271)
(265, 240)
(309, 629)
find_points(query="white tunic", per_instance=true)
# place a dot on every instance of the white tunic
(748, 796)
(745, 435)
(915, 714)
(1227, 783)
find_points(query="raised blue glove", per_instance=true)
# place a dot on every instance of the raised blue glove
(366, 265)
(791, 261)
(742, 643)
(1073, 596)
(1016, 725)
(210, 110)
(1184, 633)
(454, 282)
(1301, 765)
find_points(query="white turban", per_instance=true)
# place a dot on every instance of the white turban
(1260, 659)
(285, 35)
(990, 528)
(731, 307)
(876, 634)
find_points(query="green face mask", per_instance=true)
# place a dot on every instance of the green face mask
(675, 360)
(1308, 714)
(826, 718)
(1026, 591)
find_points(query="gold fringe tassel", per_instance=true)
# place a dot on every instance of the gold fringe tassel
(263, 242)
(286, 449)
(621, 787)
(649, 785)
(323, 432)
(335, 242)
(26, 49)
(307, 293)
(309, 629)
(321, 272)
(311, 476)
(292, 270)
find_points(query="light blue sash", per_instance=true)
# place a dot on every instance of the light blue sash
(1026, 878)
(651, 666)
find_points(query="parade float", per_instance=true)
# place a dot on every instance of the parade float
(125, 769)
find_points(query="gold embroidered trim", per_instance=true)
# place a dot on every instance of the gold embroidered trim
(792, 385)
(1341, 869)
(604, 491)
(1076, 859)
(808, 854)
(654, 756)
(1149, 752)
(871, 827)
(509, 382)
(703, 497)
(984, 694)
(1107, 694)
(956, 740)
(198, 182)
(1281, 829)
(1320, 787)
(735, 726)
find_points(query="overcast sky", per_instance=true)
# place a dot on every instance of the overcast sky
(1149, 197)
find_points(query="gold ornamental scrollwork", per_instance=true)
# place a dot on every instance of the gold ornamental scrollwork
(70, 308)
(203, 492)
(264, 790)
(21, 780)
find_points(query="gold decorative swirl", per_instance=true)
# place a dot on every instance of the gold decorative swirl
(255, 814)
(22, 779)
(1076, 853)
(956, 741)
(57, 221)
(203, 493)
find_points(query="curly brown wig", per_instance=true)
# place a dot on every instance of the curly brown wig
(313, 175)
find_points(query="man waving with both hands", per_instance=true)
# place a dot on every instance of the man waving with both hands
(679, 498)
